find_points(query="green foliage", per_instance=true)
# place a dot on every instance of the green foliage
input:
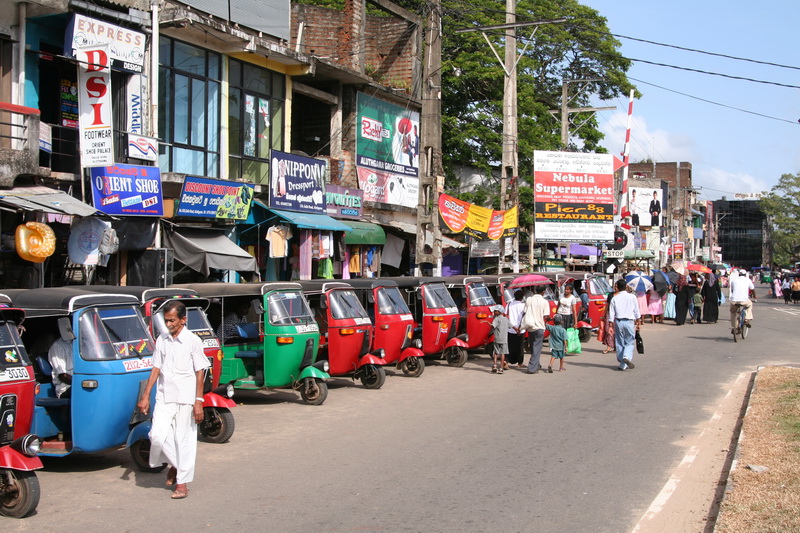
(782, 206)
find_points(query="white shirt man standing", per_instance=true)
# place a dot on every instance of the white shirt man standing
(178, 367)
(740, 287)
(539, 309)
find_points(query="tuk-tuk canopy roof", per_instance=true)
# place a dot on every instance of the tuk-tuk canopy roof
(222, 290)
(322, 285)
(413, 281)
(146, 294)
(61, 301)
(7, 310)
(462, 279)
(370, 283)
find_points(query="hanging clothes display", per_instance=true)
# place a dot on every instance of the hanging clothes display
(355, 259)
(278, 238)
(325, 269)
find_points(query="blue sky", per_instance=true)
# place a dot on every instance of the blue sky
(730, 151)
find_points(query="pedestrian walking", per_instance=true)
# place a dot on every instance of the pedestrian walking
(624, 311)
(515, 310)
(712, 294)
(786, 290)
(500, 332)
(795, 286)
(697, 307)
(179, 366)
(606, 329)
(536, 310)
(568, 307)
(557, 341)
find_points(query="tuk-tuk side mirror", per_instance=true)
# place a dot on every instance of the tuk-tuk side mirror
(371, 297)
(322, 303)
(65, 329)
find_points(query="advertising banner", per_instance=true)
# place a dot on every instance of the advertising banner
(342, 202)
(645, 206)
(94, 103)
(297, 183)
(387, 139)
(677, 251)
(127, 190)
(479, 222)
(388, 188)
(209, 198)
(573, 197)
(126, 47)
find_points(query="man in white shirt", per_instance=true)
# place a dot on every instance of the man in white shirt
(516, 335)
(624, 312)
(740, 287)
(178, 365)
(60, 357)
(539, 309)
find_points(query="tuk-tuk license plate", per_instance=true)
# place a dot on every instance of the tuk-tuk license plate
(13, 374)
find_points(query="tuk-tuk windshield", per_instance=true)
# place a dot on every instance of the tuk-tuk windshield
(12, 352)
(479, 295)
(390, 302)
(288, 308)
(437, 296)
(345, 304)
(600, 286)
(114, 333)
(196, 321)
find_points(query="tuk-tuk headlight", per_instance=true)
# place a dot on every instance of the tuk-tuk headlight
(29, 445)
(229, 390)
(326, 366)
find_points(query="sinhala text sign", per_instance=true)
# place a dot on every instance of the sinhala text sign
(127, 190)
(573, 196)
(479, 222)
(209, 198)
(297, 183)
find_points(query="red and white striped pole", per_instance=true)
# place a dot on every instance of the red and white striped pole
(623, 190)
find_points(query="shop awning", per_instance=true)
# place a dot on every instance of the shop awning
(411, 229)
(202, 249)
(639, 254)
(38, 198)
(311, 221)
(364, 233)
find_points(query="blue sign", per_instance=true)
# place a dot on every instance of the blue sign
(127, 190)
(297, 183)
(207, 198)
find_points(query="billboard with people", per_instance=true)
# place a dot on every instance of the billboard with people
(645, 206)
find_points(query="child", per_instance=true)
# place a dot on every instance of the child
(500, 326)
(697, 304)
(558, 340)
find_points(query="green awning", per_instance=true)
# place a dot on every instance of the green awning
(639, 254)
(364, 233)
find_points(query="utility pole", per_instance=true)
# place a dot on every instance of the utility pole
(566, 111)
(510, 170)
(430, 161)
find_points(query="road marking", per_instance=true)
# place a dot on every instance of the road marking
(787, 311)
(669, 488)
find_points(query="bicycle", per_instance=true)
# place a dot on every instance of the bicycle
(742, 325)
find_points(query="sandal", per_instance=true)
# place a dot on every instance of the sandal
(172, 477)
(181, 491)
(549, 369)
(500, 371)
(494, 369)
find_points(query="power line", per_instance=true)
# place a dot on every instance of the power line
(714, 73)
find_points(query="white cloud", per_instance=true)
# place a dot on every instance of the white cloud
(659, 145)
(716, 183)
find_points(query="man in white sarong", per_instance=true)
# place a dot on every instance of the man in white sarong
(178, 366)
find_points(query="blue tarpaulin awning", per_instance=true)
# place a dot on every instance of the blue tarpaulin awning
(312, 221)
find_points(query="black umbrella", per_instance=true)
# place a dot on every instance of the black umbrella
(660, 281)
(673, 277)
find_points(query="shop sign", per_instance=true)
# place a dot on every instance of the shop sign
(574, 197)
(94, 103)
(387, 139)
(677, 251)
(388, 188)
(297, 183)
(221, 199)
(128, 190)
(126, 46)
(45, 138)
(342, 202)
(141, 147)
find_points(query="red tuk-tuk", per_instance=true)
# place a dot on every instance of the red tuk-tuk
(19, 486)
(475, 306)
(218, 423)
(437, 318)
(597, 288)
(346, 332)
(392, 321)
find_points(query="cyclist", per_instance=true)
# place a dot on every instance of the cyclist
(740, 287)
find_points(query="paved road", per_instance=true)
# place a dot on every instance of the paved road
(590, 449)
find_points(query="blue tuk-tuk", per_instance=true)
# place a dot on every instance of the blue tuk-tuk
(112, 353)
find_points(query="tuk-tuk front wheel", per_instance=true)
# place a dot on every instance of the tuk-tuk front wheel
(314, 391)
(19, 493)
(217, 425)
(373, 376)
(140, 453)
(455, 356)
(584, 334)
(413, 366)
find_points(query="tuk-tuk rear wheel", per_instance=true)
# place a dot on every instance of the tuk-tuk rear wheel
(19, 493)
(140, 453)
(373, 376)
(314, 392)
(455, 356)
(413, 366)
(217, 426)
(584, 334)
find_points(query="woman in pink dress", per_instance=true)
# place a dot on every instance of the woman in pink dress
(655, 306)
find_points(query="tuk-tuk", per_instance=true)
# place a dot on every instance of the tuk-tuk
(392, 321)
(111, 350)
(278, 349)
(218, 423)
(19, 486)
(345, 332)
(475, 306)
(499, 287)
(437, 318)
(596, 286)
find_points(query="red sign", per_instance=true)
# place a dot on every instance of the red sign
(677, 250)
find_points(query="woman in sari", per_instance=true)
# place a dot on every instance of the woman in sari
(605, 332)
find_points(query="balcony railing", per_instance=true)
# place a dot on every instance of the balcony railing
(19, 142)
